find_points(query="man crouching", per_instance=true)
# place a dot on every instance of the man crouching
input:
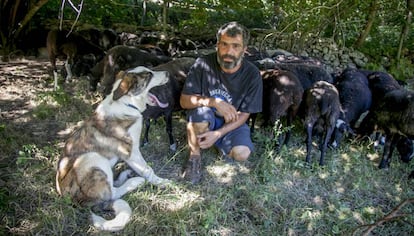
(220, 92)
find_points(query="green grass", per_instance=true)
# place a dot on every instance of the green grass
(274, 193)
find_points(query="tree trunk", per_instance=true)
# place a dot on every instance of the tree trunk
(14, 19)
(370, 21)
(405, 30)
(164, 15)
(144, 12)
(32, 11)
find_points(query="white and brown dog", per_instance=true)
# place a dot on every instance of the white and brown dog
(85, 172)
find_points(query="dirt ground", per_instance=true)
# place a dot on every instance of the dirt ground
(22, 83)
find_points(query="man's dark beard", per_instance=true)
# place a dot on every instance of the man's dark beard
(228, 65)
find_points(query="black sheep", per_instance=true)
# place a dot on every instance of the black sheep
(395, 116)
(381, 83)
(307, 73)
(282, 95)
(322, 109)
(168, 94)
(405, 148)
(308, 70)
(121, 58)
(355, 97)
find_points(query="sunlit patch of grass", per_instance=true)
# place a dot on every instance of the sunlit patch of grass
(224, 173)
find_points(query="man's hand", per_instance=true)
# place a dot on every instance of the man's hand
(227, 110)
(207, 139)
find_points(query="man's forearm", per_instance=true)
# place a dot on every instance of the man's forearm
(193, 101)
(227, 127)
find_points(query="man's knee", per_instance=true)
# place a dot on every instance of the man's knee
(240, 153)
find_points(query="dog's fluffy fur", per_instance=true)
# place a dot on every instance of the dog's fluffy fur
(84, 171)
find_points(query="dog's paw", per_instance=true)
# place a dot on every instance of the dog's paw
(134, 182)
(129, 185)
(155, 180)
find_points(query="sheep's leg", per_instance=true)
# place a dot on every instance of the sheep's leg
(281, 140)
(324, 145)
(377, 140)
(309, 128)
(55, 73)
(68, 65)
(252, 122)
(147, 122)
(168, 128)
(55, 79)
(289, 120)
(390, 142)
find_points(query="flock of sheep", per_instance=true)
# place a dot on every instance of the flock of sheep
(352, 102)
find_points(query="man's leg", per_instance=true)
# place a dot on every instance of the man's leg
(192, 170)
(237, 145)
(240, 153)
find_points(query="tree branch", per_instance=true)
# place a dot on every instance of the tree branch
(78, 12)
(29, 16)
(393, 215)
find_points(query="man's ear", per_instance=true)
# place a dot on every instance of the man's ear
(245, 48)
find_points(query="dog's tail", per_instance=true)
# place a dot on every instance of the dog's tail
(122, 216)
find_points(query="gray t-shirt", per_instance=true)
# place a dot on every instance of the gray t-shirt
(243, 88)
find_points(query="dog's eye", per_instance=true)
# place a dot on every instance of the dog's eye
(147, 74)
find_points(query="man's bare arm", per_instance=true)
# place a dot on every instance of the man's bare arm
(227, 110)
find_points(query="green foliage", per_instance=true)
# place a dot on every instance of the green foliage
(25, 155)
(402, 70)
(49, 102)
(341, 20)
(198, 18)
(271, 143)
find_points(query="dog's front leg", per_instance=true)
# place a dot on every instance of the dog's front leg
(139, 165)
(137, 162)
(129, 185)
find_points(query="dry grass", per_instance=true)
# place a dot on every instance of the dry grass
(272, 194)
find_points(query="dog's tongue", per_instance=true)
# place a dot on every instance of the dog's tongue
(155, 102)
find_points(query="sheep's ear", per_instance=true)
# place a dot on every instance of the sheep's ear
(124, 86)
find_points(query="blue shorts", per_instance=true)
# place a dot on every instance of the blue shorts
(237, 137)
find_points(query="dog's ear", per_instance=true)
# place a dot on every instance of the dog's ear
(123, 87)
(131, 80)
(120, 75)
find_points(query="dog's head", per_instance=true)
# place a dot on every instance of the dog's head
(132, 87)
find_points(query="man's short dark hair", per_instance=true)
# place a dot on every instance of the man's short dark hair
(233, 29)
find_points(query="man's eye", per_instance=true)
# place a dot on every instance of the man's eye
(236, 46)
